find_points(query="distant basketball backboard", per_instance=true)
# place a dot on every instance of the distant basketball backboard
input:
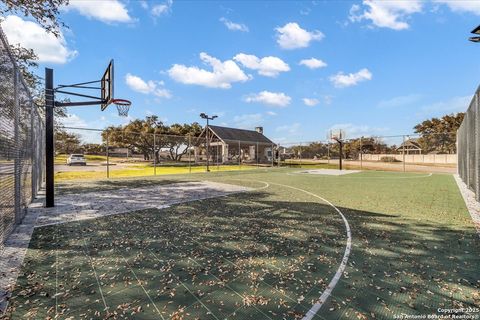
(337, 135)
(107, 86)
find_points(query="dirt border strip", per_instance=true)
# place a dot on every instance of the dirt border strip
(473, 206)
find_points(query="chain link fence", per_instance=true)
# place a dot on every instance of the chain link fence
(469, 147)
(83, 153)
(116, 154)
(21, 144)
(407, 153)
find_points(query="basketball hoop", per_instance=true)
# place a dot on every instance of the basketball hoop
(123, 106)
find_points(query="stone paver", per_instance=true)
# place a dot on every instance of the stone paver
(74, 207)
(472, 205)
(91, 205)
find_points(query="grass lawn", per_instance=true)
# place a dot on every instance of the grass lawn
(141, 170)
(264, 254)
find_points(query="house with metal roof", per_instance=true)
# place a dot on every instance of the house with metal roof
(232, 145)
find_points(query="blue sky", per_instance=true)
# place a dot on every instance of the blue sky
(297, 68)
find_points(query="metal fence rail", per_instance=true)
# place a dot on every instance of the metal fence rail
(468, 141)
(21, 146)
(124, 153)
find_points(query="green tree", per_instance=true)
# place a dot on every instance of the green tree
(137, 136)
(439, 134)
(67, 143)
(179, 138)
(93, 148)
(44, 12)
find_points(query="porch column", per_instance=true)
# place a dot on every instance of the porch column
(224, 152)
(196, 154)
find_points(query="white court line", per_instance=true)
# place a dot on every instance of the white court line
(298, 173)
(85, 246)
(328, 291)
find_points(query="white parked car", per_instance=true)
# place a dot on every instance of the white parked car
(76, 159)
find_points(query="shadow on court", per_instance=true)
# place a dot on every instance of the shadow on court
(245, 256)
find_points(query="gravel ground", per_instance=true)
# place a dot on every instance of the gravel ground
(472, 205)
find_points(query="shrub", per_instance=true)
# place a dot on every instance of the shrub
(389, 159)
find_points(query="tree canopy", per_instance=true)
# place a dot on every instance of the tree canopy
(44, 12)
(439, 134)
(138, 136)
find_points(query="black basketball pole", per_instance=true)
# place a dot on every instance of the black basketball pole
(49, 143)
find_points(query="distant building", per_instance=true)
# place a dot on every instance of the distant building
(118, 152)
(234, 145)
(410, 146)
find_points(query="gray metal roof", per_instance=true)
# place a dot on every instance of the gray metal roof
(233, 134)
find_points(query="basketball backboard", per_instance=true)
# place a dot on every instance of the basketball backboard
(337, 135)
(107, 86)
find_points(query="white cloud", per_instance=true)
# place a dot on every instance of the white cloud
(163, 8)
(313, 63)
(278, 99)
(462, 5)
(73, 120)
(399, 101)
(311, 102)
(290, 129)
(455, 104)
(248, 121)
(146, 87)
(266, 66)
(222, 76)
(32, 36)
(292, 36)
(355, 131)
(386, 14)
(234, 26)
(271, 113)
(341, 80)
(103, 10)
(87, 136)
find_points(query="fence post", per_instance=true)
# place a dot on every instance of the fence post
(361, 152)
(154, 155)
(216, 157)
(239, 155)
(16, 165)
(33, 152)
(190, 154)
(477, 148)
(108, 159)
(328, 152)
(272, 153)
(256, 154)
(403, 151)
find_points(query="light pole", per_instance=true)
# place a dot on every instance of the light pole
(205, 116)
(477, 32)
